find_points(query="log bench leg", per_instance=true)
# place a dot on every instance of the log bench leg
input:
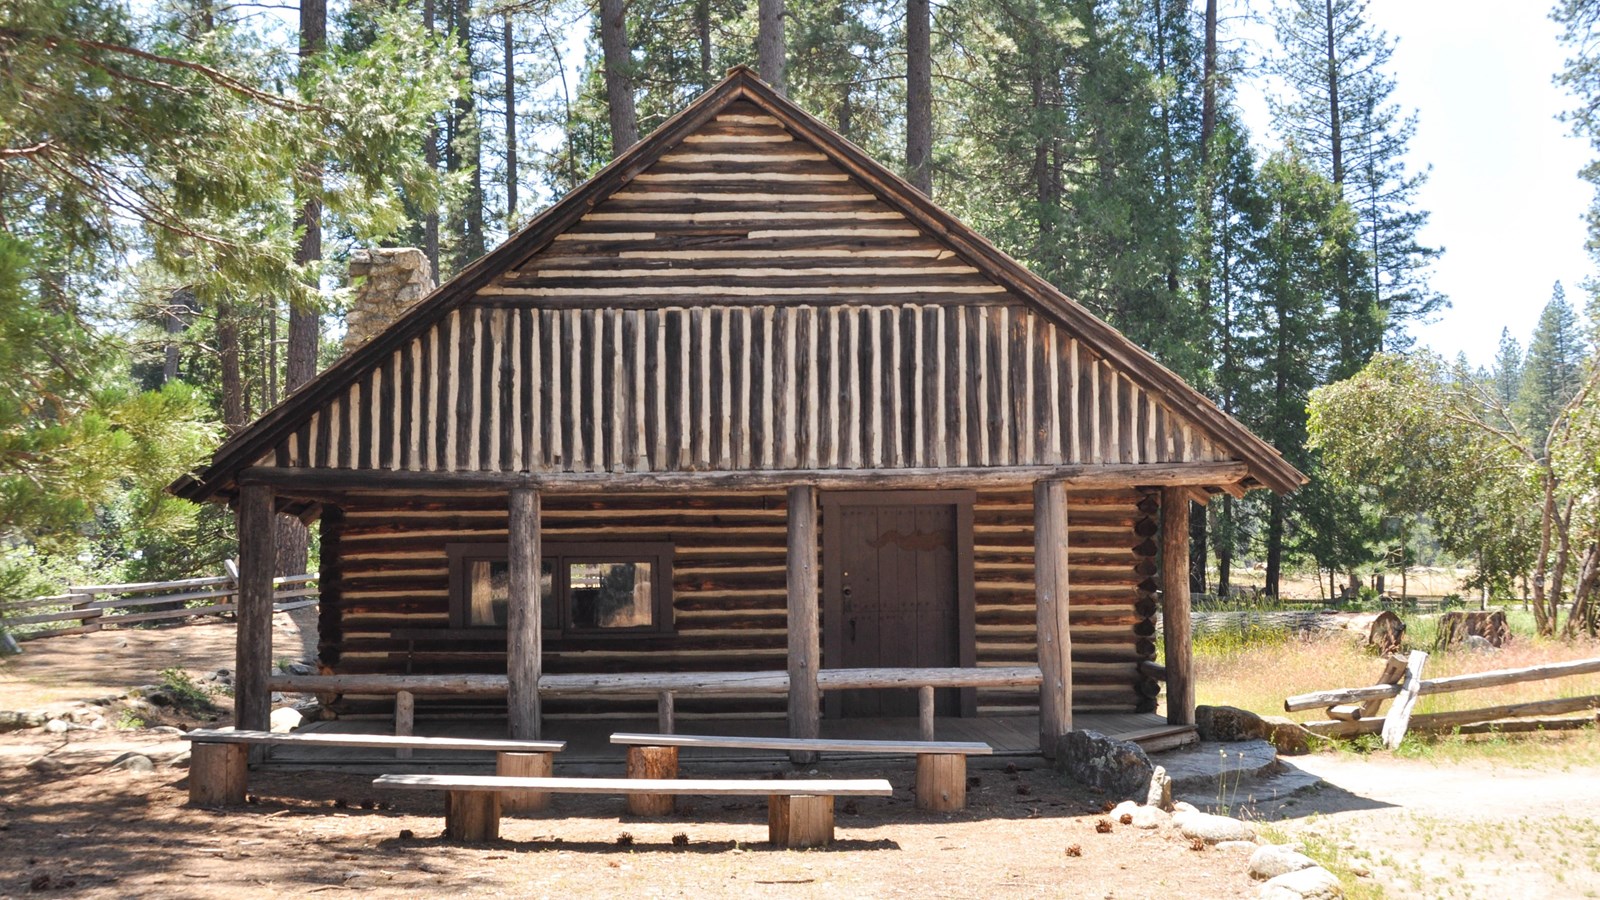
(941, 781)
(652, 762)
(217, 774)
(472, 816)
(524, 765)
(799, 820)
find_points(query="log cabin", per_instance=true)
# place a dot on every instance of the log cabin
(748, 418)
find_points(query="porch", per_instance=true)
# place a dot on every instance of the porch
(589, 750)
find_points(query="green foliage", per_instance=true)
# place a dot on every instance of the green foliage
(187, 696)
(1553, 370)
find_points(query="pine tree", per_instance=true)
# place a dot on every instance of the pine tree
(1339, 114)
(1506, 376)
(1553, 369)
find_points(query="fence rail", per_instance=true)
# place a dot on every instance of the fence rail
(1353, 711)
(94, 606)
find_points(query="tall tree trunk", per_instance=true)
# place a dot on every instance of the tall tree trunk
(180, 307)
(1275, 514)
(468, 131)
(511, 121)
(919, 96)
(619, 74)
(430, 152)
(1208, 84)
(1335, 129)
(1541, 612)
(233, 414)
(1197, 549)
(702, 29)
(305, 322)
(1225, 555)
(769, 43)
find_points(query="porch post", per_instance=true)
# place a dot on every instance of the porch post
(524, 650)
(805, 642)
(1175, 605)
(252, 701)
(1054, 635)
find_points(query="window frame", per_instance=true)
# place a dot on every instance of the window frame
(659, 554)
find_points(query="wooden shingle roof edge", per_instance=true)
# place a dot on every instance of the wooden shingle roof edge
(1267, 466)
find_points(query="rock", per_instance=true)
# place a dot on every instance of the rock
(285, 720)
(1213, 829)
(1146, 817)
(1478, 642)
(57, 726)
(98, 723)
(132, 763)
(300, 669)
(9, 645)
(16, 720)
(1247, 846)
(166, 729)
(1160, 793)
(276, 697)
(158, 698)
(1277, 859)
(1315, 883)
(1182, 807)
(1120, 768)
(1229, 724)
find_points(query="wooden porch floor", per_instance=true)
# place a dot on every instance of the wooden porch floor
(588, 740)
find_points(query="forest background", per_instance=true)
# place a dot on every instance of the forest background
(182, 183)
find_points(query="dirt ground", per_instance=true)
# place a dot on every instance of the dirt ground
(70, 824)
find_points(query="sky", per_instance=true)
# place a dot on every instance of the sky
(1505, 199)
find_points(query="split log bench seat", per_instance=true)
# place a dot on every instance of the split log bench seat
(219, 759)
(799, 813)
(941, 765)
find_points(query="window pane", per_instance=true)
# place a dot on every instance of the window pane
(610, 595)
(489, 587)
(547, 596)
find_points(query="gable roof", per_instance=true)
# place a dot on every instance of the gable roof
(485, 276)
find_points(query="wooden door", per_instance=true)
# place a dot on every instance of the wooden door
(897, 579)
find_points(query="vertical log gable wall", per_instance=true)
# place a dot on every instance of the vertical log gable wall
(385, 568)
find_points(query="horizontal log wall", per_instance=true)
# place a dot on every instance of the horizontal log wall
(385, 569)
(1111, 596)
(722, 388)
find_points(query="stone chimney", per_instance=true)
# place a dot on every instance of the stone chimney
(388, 281)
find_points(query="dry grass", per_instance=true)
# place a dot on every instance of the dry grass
(1257, 671)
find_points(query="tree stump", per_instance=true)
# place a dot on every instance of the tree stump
(1455, 627)
(799, 821)
(524, 765)
(472, 816)
(218, 773)
(941, 781)
(652, 762)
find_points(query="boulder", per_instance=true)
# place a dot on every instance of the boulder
(285, 720)
(57, 726)
(1119, 768)
(16, 720)
(1146, 817)
(1213, 829)
(1229, 724)
(132, 763)
(1184, 807)
(1160, 793)
(1478, 642)
(1273, 860)
(1315, 883)
(300, 669)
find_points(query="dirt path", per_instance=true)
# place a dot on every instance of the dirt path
(1471, 829)
(81, 667)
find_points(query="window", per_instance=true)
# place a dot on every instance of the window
(584, 589)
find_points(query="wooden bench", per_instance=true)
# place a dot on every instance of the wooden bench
(799, 813)
(219, 759)
(941, 765)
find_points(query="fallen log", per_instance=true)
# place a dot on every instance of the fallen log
(1445, 721)
(1324, 699)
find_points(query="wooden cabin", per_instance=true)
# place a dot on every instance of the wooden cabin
(745, 409)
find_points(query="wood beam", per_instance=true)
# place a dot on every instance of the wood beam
(524, 651)
(804, 625)
(258, 556)
(1054, 635)
(318, 483)
(1175, 625)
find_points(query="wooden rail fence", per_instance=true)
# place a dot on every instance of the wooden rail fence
(1354, 711)
(92, 607)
